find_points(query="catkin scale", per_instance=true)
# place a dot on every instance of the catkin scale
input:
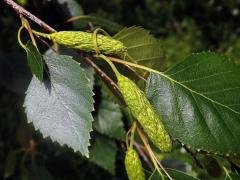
(84, 41)
(144, 113)
(133, 165)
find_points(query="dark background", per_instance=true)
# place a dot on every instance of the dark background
(182, 26)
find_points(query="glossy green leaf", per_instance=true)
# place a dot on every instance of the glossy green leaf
(199, 102)
(174, 174)
(62, 109)
(142, 46)
(35, 61)
(109, 119)
(103, 153)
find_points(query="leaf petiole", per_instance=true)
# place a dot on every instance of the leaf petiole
(26, 24)
(227, 173)
(133, 129)
(44, 35)
(110, 63)
(19, 38)
(136, 66)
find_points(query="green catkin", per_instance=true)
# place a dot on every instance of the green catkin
(144, 113)
(84, 41)
(133, 165)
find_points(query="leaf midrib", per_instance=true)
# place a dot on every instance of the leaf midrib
(60, 98)
(125, 36)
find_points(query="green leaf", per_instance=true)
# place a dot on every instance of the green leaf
(109, 120)
(62, 110)
(175, 174)
(103, 153)
(142, 46)
(69, 52)
(35, 61)
(199, 102)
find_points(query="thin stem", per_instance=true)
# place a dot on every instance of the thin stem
(20, 10)
(47, 44)
(108, 81)
(27, 26)
(135, 72)
(133, 129)
(19, 37)
(151, 153)
(111, 64)
(127, 139)
(227, 174)
(136, 65)
(143, 154)
(95, 43)
(161, 166)
(145, 142)
(44, 35)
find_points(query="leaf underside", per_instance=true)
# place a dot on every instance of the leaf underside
(109, 120)
(142, 46)
(62, 109)
(199, 102)
(103, 153)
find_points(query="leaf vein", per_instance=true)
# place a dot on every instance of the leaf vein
(187, 67)
(221, 90)
(148, 59)
(220, 117)
(206, 77)
(203, 119)
(126, 35)
(142, 45)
